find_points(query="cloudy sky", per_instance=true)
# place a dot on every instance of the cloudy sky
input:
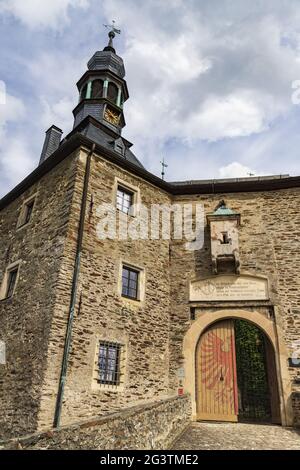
(210, 81)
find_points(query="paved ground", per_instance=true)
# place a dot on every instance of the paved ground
(237, 436)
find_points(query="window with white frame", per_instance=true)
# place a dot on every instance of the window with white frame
(125, 199)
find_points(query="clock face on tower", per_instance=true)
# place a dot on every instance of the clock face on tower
(112, 116)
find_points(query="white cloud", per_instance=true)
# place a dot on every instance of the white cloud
(234, 115)
(16, 161)
(176, 63)
(12, 110)
(41, 14)
(56, 72)
(197, 75)
(235, 170)
(2, 92)
(59, 113)
(209, 82)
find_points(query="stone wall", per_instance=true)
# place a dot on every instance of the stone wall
(101, 313)
(34, 321)
(26, 318)
(296, 407)
(269, 240)
(151, 426)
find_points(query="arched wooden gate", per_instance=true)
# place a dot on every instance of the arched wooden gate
(236, 374)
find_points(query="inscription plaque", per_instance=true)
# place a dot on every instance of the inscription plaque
(229, 287)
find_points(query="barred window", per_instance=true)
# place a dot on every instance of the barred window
(11, 282)
(109, 363)
(130, 280)
(124, 200)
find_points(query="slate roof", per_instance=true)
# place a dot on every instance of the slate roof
(76, 140)
(100, 134)
(223, 210)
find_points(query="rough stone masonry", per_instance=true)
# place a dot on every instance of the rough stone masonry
(150, 339)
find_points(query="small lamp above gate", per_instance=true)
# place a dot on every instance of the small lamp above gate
(224, 237)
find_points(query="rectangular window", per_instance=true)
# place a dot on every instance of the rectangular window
(11, 282)
(109, 363)
(28, 211)
(225, 239)
(130, 282)
(124, 199)
(193, 313)
(119, 149)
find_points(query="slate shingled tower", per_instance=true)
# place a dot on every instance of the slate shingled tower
(102, 94)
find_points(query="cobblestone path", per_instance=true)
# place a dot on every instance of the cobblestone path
(237, 436)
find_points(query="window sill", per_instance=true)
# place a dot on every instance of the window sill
(133, 299)
(20, 227)
(6, 299)
(98, 387)
(133, 216)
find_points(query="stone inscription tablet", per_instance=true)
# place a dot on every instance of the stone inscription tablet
(230, 287)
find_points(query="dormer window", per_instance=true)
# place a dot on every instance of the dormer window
(119, 146)
(119, 149)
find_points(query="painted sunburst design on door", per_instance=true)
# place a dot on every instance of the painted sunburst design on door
(217, 385)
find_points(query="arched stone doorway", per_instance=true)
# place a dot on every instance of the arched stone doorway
(236, 377)
(270, 330)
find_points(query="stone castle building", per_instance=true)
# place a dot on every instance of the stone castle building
(96, 327)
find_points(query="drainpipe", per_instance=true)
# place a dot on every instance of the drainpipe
(76, 271)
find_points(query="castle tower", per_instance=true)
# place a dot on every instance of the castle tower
(103, 91)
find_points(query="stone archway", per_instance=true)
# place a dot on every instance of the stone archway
(267, 326)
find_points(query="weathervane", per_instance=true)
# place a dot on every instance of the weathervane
(163, 166)
(113, 28)
(112, 34)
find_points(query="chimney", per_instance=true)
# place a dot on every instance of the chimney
(52, 142)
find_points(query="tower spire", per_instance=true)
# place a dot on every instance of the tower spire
(112, 34)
